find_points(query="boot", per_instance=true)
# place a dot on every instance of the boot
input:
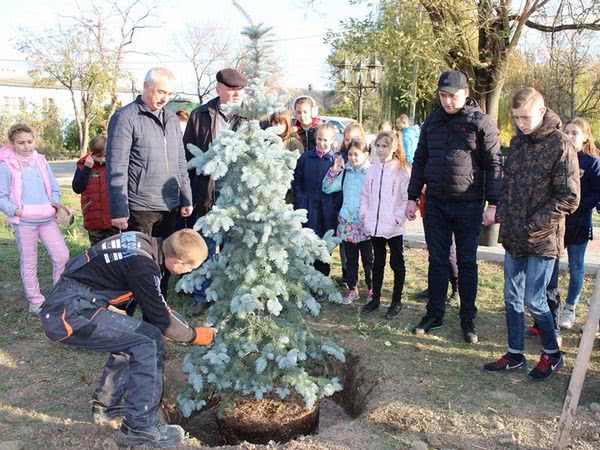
(102, 414)
(159, 435)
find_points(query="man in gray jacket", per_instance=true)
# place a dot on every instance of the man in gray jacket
(146, 169)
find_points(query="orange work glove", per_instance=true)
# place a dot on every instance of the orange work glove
(204, 336)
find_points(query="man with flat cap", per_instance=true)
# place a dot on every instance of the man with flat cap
(204, 125)
(458, 158)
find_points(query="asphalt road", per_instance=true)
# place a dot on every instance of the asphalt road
(63, 169)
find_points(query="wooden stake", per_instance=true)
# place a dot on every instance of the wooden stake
(581, 364)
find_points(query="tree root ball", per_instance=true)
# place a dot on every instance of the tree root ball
(269, 419)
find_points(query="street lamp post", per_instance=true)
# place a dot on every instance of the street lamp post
(360, 78)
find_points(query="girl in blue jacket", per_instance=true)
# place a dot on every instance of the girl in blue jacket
(312, 167)
(579, 224)
(348, 178)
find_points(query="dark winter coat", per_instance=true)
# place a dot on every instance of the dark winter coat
(579, 224)
(146, 168)
(308, 179)
(200, 131)
(90, 182)
(540, 187)
(458, 156)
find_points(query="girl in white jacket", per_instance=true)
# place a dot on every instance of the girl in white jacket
(382, 205)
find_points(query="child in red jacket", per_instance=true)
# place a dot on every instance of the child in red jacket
(90, 182)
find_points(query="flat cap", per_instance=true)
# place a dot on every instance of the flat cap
(452, 81)
(232, 78)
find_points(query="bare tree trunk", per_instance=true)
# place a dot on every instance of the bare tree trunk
(86, 134)
(77, 117)
(493, 99)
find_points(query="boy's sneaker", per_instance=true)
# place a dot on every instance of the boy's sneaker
(370, 307)
(158, 436)
(532, 331)
(393, 311)
(547, 366)
(506, 364)
(350, 296)
(35, 309)
(103, 415)
(427, 324)
(567, 317)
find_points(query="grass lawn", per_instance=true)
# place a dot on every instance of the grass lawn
(429, 389)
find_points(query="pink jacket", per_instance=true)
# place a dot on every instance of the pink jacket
(37, 212)
(383, 199)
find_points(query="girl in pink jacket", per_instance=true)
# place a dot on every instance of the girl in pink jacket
(29, 196)
(382, 205)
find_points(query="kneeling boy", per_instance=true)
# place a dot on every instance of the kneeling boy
(124, 271)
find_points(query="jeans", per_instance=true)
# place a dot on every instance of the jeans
(352, 251)
(445, 218)
(525, 283)
(576, 254)
(396, 245)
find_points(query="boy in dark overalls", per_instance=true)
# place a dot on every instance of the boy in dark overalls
(124, 271)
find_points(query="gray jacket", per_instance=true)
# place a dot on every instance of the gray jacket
(146, 168)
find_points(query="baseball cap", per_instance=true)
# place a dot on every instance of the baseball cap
(452, 81)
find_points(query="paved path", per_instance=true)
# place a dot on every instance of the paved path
(63, 171)
(415, 237)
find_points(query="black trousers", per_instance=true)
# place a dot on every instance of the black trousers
(396, 245)
(322, 267)
(156, 224)
(101, 234)
(352, 251)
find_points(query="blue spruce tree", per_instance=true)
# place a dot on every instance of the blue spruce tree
(263, 281)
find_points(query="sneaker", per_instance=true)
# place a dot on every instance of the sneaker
(158, 436)
(506, 364)
(35, 309)
(103, 415)
(532, 331)
(567, 317)
(423, 295)
(369, 295)
(547, 366)
(427, 324)
(350, 296)
(370, 307)
(393, 311)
